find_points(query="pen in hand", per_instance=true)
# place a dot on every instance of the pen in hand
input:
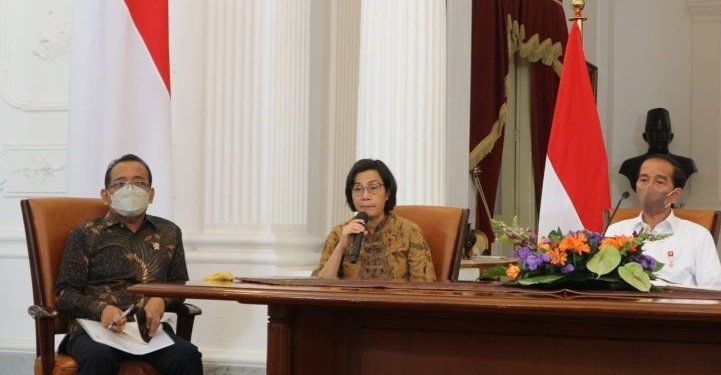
(125, 313)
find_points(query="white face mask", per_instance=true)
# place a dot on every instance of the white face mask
(130, 201)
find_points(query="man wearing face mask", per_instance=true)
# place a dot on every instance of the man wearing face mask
(689, 254)
(106, 255)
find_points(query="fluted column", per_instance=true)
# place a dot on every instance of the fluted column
(290, 144)
(240, 114)
(343, 102)
(459, 187)
(401, 99)
(257, 123)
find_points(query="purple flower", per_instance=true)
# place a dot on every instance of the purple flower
(647, 262)
(535, 260)
(532, 262)
(568, 268)
(594, 239)
(522, 253)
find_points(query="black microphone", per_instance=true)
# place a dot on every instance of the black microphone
(624, 195)
(353, 256)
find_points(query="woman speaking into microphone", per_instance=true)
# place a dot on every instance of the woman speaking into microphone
(378, 245)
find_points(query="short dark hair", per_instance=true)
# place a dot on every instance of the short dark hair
(679, 177)
(388, 181)
(124, 158)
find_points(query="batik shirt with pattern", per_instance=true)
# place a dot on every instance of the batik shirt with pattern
(395, 250)
(103, 257)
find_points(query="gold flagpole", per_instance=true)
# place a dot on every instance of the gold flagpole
(578, 6)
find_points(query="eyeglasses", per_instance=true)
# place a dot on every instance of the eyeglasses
(117, 185)
(373, 188)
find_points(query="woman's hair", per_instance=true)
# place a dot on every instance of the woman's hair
(389, 182)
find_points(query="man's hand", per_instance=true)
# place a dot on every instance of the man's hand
(112, 317)
(154, 310)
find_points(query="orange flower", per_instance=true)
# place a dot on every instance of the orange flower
(558, 256)
(575, 242)
(512, 272)
(618, 242)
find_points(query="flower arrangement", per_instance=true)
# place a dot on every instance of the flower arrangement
(576, 257)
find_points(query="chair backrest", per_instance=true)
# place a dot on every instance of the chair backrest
(48, 222)
(445, 231)
(708, 219)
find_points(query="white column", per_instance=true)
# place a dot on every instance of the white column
(343, 103)
(401, 99)
(256, 132)
(240, 115)
(460, 189)
(290, 144)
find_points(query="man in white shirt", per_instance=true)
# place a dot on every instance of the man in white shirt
(689, 254)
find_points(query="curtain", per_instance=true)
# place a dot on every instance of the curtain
(536, 30)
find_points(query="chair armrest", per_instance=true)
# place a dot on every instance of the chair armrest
(41, 312)
(186, 317)
(44, 334)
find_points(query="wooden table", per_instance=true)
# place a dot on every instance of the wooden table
(345, 327)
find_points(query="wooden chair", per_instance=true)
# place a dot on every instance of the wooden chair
(48, 222)
(445, 231)
(708, 219)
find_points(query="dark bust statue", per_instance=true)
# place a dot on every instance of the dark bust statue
(658, 135)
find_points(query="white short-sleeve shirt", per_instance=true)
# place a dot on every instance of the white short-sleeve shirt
(689, 254)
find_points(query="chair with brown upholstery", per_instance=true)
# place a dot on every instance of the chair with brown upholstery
(445, 231)
(708, 219)
(48, 222)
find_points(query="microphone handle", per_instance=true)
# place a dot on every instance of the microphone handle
(610, 219)
(355, 251)
(358, 239)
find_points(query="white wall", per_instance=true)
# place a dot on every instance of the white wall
(649, 53)
(646, 58)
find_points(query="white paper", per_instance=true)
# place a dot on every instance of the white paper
(129, 340)
(660, 282)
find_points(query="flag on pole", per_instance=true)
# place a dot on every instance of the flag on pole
(119, 94)
(575, 181)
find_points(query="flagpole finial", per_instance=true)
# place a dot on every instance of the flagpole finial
(578, 6)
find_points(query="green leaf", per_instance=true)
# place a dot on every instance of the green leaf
(542, 279)
(605, 260)
(659, 265)
(497, 271)
(634, 274)
(556, 235)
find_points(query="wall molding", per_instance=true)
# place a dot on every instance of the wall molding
(33, 169)
(50, 51)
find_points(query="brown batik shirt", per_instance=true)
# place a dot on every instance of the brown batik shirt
(103, 257)
(396, 250)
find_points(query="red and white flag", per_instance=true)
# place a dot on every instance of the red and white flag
(575, 181)
(119, 94)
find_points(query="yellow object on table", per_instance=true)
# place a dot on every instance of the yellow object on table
(485, 262)
(219, 276)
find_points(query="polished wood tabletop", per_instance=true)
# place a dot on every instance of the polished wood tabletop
(677, 303)
(377, 328)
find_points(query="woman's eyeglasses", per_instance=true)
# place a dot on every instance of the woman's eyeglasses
(373, 188)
